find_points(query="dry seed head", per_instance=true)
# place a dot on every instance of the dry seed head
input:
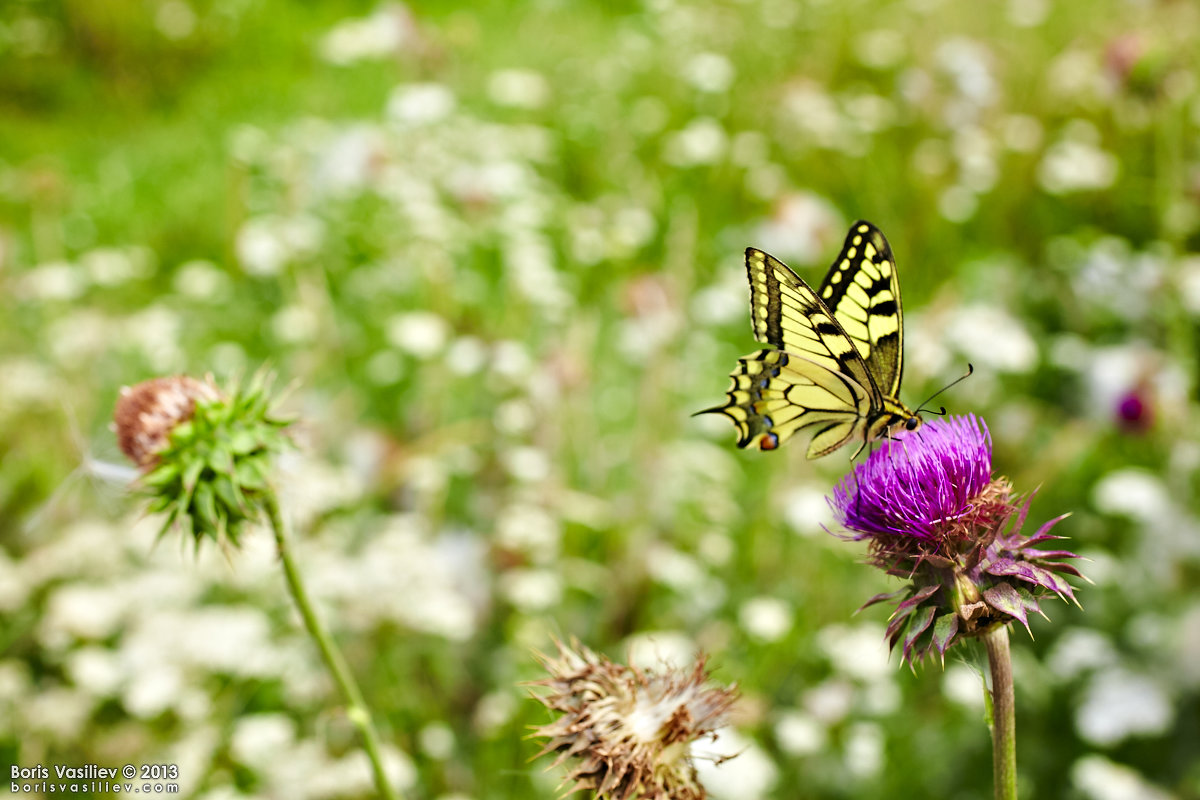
(148, 412)
(629, 730)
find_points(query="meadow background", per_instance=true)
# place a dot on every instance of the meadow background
(496, 251)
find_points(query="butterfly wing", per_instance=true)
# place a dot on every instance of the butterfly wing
(862, 291)
(813, 374)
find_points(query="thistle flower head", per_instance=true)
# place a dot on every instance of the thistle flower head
(934, 514)
(628, 730)
(919, 486)
(204, 454)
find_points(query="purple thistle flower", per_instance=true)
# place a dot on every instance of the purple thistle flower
(916, 485)
(935, 515)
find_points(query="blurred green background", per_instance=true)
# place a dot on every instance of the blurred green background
(496, 250)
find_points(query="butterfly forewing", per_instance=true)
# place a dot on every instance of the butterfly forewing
(834, 361)
(788, 315)
(863, 292)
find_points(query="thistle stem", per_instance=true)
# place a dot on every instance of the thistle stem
(356, 708)
(1003, 719)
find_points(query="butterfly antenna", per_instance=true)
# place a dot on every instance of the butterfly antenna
(942, 411)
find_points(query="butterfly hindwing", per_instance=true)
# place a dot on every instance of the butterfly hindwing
(834, 357)
(774, 394)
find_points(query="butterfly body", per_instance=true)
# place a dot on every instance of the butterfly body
(835, 356)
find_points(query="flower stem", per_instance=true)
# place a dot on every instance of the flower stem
(1004, 719)
(356, 709)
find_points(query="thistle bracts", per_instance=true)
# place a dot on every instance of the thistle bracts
(629, 730)
(936, 516)
(205, 453)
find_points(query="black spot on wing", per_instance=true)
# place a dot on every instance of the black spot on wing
(884, 308)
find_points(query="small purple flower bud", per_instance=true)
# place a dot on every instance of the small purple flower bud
(1134, 411)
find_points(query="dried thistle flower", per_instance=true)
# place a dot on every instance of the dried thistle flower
(934, 514)
(629, 730)
(147, 413)
(205, 454)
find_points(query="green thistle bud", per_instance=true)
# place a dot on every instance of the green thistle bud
(205, 454)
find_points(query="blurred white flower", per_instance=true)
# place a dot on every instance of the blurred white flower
(1135, 493)
(511, 360)
(804, 228)
(531, 590)
(750, 776)
(155, 330)
(963, 685)
(519, 88)
(859, 651)
(767, 619)
(432, 584)
(96, 670)
(437, 740)
(157, 688)
(78, 338)
(975, 151)
(869, 113)
(633, 227)
(200, 280)
(1188, 277)
(799, 734)
(1028, 13)
(673, 568)
(14, 589)
(58, 712)
(702, 141)
(466, 355)
(419, 333)
(1118, 704)
(295, 324)
(958, 203)
(530, 260)
(1186, 646)
(175, 19)
(661, 649)
(881, 48)
(259, 739)
(55, 280)
(389, 31)
(967, 63)
(709, 72)
(864, 756)
(529, 529)
(830, 701)
(1097, 778)
(266, 244)
(420, 103)
(1073, 165)
(1080, 650)
(992, 338)
(722, 302)
(351, 160)
(109, 266)
(27, 381)
(1076, 76)
(80, 611)
(1021, 132)
(813, 111)
(527, 464)
(1124, 282)
(492, 712)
